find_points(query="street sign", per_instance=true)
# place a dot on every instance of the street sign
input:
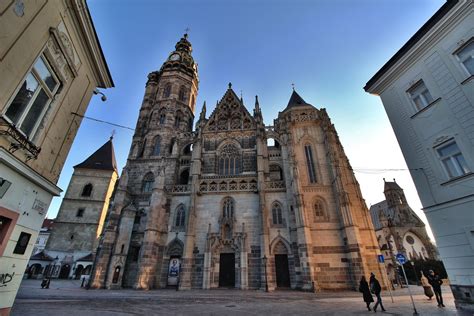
(381, 258)
(401, 258)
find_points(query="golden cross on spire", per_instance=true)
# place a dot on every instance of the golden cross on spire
(293, 85)
(112, 134)
(186, 30)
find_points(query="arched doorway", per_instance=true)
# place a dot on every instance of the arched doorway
(64, 273)
(78, 272)
(175, 253)
(282, 271)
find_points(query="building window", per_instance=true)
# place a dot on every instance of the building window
(277, 214)
(466, 57)
(32, 99)
(420, 95)
(157, 147)
(319, 211)
(167, 91)
(229, 160)
(87, 190)
(148, 180)
(228, 208)
(22, 243)
(80, 212)
(177, 119)
(5, 223)
(452, 159)
(182, 94)
(310, 163)
(180, 217)
(162, 117)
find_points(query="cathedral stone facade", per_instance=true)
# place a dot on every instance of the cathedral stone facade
(399, 229)
(218, 207)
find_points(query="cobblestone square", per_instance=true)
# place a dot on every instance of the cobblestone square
(68, 298)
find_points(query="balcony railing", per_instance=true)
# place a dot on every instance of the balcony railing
(275, 185)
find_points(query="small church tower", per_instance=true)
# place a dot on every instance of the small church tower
(78, 225)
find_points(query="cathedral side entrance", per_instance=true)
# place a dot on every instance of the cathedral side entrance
(282, 271)
(227, 270)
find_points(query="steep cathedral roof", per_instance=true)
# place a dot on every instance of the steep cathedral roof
(295, 101)
(102, 159)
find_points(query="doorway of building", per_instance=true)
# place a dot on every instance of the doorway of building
(227, 270)
(282, 271)
(64, 273)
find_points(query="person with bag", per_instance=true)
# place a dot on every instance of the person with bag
(426, 286)
(376, 289)
(364, 289)
(436, 282)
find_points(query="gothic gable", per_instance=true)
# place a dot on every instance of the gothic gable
(230, 114)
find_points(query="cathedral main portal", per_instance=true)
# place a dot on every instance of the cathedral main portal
(227, 270)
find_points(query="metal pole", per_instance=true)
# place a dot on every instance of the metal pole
(266, 279)
(409, 291)
(389, 286)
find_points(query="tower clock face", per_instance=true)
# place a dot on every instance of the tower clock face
(175, 57)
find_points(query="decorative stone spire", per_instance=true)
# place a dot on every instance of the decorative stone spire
(257, 113)
(202, 116)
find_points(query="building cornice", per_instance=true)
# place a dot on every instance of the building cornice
(452, 12)
(87, 29)
(30, 174)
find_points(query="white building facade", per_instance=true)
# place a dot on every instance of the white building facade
(427, 89)
(51, 63)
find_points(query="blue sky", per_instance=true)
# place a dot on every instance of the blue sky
(328, 48)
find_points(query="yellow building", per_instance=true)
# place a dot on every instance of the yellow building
(51, 63)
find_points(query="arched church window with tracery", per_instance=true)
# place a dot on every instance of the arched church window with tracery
(147, 184)
(319, 211)
(182, 94)
(277, 214)
(167, 91)
(229, 160)
(180, 217)
(157, 146)
(228, 208)
(87, 190)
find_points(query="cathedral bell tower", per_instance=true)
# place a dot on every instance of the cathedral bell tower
(156, 160)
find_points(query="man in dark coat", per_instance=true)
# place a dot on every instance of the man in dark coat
(436, 282)
(376, 289)
(364, 289)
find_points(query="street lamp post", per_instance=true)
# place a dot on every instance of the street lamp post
(414, 271)
(264, 259)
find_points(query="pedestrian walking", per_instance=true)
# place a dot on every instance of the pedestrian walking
(376, 289)
(436, 282)
(365, 290)
(426, 286)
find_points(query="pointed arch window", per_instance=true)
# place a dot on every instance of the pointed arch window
(319, 211)
(228, 208)
(167, 90)
(177, 119)
(182, 93)
(157, 146)
(147, 184)
(162, 116)
(229, 160)
(277, 215)
(310, 163)
(87, 190)
(180, 217)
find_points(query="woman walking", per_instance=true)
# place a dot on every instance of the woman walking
(426, 286)
(364, 289)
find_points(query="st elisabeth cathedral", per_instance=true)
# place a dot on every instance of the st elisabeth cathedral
(218, 207)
